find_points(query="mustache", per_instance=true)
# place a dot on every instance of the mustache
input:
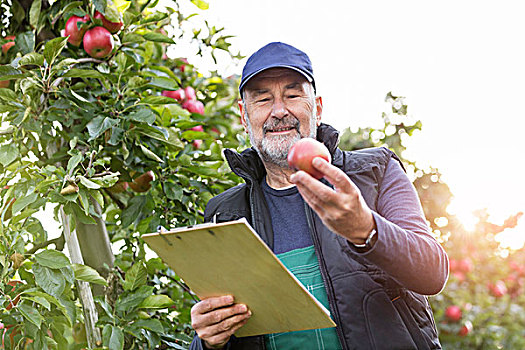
(286, 122)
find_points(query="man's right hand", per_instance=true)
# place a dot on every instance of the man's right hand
(216, 319)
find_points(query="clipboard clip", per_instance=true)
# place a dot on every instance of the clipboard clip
(161, 230)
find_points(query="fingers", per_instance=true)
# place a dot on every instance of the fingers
(210, 304)
(219, 334)
(333, 174)
(216, 319)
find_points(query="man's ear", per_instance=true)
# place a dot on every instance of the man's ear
(243, 114)
(318, 109)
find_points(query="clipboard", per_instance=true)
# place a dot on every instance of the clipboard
(231, 259)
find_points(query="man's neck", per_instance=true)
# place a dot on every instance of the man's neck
(278, 177)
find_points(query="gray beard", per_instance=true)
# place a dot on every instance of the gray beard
(275, 149)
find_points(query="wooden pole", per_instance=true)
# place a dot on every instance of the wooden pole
(86, 296)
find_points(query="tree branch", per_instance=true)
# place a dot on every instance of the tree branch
(58, 242)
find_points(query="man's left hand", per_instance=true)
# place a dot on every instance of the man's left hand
(342, 209)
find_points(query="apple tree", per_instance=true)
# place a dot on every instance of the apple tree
(111, 139)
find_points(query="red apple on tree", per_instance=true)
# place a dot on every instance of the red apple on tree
(4, 83)
(465, 329)
(143, 182)
(178, 95)
(453, 313)
(303, 152)
(190, 93)
(194, 106)
(498, 289)
(119, 187)
(98, 42)
(465, 265)
(73, 31)
(9, 44)
(182, 67)
(113, 27)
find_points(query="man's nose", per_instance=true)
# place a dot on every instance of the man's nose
(279, 109)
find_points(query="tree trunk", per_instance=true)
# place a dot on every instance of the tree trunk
(95, 246)
(86, 297)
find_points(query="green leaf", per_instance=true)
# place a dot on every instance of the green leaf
(73, 162)
(78, 96)
(32, 58)
(130, 301)
(88, 183)
(25, 42)
(88, 274)
(34, 13)
(136, 277)
(31, 314)
(39, 300)
(100, 5)
(23, 202)
(172, 190)
(151, 324)
(98, 125)
(150, 154)
(52, 259)
(8, 154)
(117, 135)
(158, 100)
(113, 337)
(133, 210)
(52, 300)
(191, 135)
(203, 5)
(143, 115)
(156, 302)
(158, 37)
(112, 14)
(50, 280)
(8, 95)
(164, 83)
(83, 73)
(74, 209)
(71, 5)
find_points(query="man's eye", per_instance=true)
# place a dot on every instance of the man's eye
(264, 100)
(293, 96)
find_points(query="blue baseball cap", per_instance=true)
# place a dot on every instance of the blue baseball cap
(277, 55)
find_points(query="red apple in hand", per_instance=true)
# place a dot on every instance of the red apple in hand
(303, 152)
(179, 94)
(194, 106)
(113, 27)
(453, 313)
(71, 29)
(98, 42)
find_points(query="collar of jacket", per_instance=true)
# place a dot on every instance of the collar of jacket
(250, 167)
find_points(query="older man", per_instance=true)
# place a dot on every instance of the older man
(357, 239)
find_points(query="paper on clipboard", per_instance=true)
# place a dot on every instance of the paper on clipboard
(231, 259)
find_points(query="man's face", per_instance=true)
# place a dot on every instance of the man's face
(279, 109)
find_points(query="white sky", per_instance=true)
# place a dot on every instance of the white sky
(460, 65)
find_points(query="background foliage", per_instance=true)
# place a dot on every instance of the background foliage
(79, 133)
(486, 280)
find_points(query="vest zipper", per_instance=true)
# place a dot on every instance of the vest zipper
(252, 207)
(324, 273)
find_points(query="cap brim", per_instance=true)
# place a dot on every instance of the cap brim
(247, 79)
